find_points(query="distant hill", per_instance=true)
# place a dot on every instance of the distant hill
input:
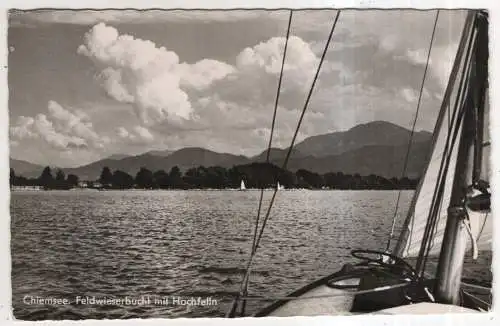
(377, 147)
(376, 133)
(26, 169)
(374, 148)
(195, 156)
(184, 158)
(277, 156)
(118, 156)
(162, 153)
(386, 161)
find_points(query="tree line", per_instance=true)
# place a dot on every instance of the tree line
(46, 180)
(255, 175)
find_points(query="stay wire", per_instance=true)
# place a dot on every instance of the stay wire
(245, 289)
(433, 218)
(460, 102)
(437, 215)
(446, 103)
(285, 163)
(273, 123)
(405, 165)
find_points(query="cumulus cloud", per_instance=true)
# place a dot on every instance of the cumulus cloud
(203, 73)
(266, 58)
(242, 103)
(442, 68)
(61, 129)
(74, 124)
(253, 86)
(23, 128)
(440, 61)
(41, 128)
(409, 94)
(150, 77)
(170, 96)
(138, 135)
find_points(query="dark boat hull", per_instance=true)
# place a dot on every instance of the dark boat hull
(344, 298)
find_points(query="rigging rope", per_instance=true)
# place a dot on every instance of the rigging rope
(475, 250)
(405, 165)
(266, 217)
(273, 123)
(306, 104)
(433, 219)
(252, 251)
(478, 299)
(461, 101)
(408, 228)
(446, 102)
(475, 286)
(482, 227)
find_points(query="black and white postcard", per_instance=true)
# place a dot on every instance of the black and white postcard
(227, 163)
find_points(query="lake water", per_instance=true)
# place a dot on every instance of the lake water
(192, 243)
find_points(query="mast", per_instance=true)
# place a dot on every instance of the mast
(403, 238)
(451, 259)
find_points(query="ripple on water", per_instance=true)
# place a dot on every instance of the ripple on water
(161, 243)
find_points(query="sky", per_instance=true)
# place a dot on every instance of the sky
(84, 85)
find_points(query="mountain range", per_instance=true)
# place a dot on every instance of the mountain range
(377, 147)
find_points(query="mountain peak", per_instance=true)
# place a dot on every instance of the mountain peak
(193, 149)
(161, 153)
(374, 133)
(378, 124)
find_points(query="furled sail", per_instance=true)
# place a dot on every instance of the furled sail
(435, 188)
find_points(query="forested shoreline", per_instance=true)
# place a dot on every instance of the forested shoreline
(254, 175)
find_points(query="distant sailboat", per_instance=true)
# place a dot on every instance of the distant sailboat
(280, 187)
(242, 185)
